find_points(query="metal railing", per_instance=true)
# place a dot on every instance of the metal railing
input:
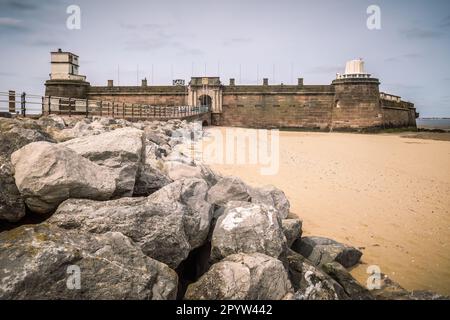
(33, 105)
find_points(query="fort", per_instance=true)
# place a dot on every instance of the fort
(352, 101)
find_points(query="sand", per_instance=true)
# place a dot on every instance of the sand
(385, 194)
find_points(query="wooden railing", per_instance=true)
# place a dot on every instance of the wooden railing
(27, 105)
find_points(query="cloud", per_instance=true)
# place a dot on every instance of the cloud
(408, 56)
(418, 33)
(48, 43)
(9, 25)
(22, 5)
(26, 5)
(236, 41)
(445, 22)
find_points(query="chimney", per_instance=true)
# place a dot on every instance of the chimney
(231, 81)
(59, 50)
(110, 83)
(144, 82)
(265, 81)
(300, 81)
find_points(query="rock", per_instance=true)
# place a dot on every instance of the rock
(247, 229)
(167, 225)
(351, 287)
(191, 193)
(311, 283)
(271, 196)
(46, 174)
(53, 121)
(12, 208)
(292, 229)
(15, 134)
(391, 290)
(177, 170)
(155, 137)
(119, 150)
(228, 189)
(35, 261)
(321, 250)
(242, 277)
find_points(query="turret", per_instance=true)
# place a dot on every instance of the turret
(357, 99)
(64, 78)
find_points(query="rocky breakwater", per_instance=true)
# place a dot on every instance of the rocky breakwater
(125, 205)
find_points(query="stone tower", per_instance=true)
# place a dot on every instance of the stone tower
(64, 78)
(357, 99)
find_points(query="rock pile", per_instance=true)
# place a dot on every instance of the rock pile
(127, 206)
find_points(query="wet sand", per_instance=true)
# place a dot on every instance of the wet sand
(386, 194)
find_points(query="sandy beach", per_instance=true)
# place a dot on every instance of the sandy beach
(387, 194)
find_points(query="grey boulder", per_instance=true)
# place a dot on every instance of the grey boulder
(228, 189)
(41, 261)
(271, 196)
(12, 207)
(167, 225)
(311, 283)
(243, 277)
(351, 287)
(292, 229)
(46, 174)
(120, 150)
(247, 229)
(323, 250)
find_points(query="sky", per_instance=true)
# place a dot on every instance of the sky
(243, 39)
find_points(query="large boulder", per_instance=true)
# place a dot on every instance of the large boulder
(150, 175)
(271, 196)
(390, 290)
(228, 189)
(322, 250)
(14, 134)
(119, 150)
(37, 262)
(243, 277)
(12, 207)
(167, 225)
(292, 229)
(46, 174)
(351, 287)
(311, 283)
(247, 229)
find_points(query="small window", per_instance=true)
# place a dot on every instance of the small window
(258, 105)
(240, 105)
(292, 105)
(276, 105)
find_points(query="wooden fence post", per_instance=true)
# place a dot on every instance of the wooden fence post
(87, 108)
(23, 104)
(12, 101)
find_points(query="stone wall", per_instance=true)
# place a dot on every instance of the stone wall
(346, 104)
(277, 106)
(152, 95)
